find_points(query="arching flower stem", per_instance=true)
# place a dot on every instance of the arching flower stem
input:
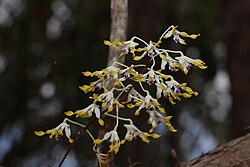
(81, 125)
(120, 118)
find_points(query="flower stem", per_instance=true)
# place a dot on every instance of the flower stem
(81, 125)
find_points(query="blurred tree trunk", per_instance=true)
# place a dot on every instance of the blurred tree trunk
(235, 21)
(142, 23)
(234, 153)
(119, 24)
(147, 23)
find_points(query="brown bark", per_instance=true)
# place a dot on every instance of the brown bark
(235, 153)
(119, 24)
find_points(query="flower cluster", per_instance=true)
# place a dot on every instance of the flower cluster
(120, 86)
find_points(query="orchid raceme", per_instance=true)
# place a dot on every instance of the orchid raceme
(120, 86)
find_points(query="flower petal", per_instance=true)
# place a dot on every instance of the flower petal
(69, 113)
(87, 73)
(39, 133)
(101, 122)
(137, 58)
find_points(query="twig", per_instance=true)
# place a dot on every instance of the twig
(175, 158)
(75, 140)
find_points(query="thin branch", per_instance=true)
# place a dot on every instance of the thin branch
(75, 140)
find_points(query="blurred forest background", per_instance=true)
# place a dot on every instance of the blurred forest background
(45, 45)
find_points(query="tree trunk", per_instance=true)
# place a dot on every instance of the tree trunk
(119, 24)
(235, 21)
(234, 153)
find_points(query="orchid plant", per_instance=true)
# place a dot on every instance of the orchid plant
(121, 86)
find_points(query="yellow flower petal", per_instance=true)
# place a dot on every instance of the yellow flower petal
(182, 41)
(101, 122)
(52, 131)
(69, 113)
(117, 83)
(193, 36)
(119, 104)
(155, 136)
(166, 77)
(123, 141)
(184, 34)
(104, 104)
(71, 140)
(138, 103)
(172, 129)
(95, 96)
(167, 122)
(158, 43)
(132, 51)
(196, 93)
(144, 137)
(113, 72)
(185, 70)
(161, 86)
(171, 100)
(106, 71)
(161, 109)
(97, 141)
(114, 147)
(183, 84)
(130, 105)
(110, 108)
(87, 73)
(137, 58)
(167, 119)
(186, 95)
(122, 54)
(129, 138)
(39, 133)
(202, 67)
(199, 63)
(137, 112)
(117, 41)
(187, 89)
(106, 42)
(141, 49)
(86, 88)
(155, 102)
(163, 57)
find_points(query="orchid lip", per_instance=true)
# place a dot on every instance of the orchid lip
(98, 88)
(124, 50)
(106, 76)
(176, 40)
(151, 54)
(177, 91)
(150, 82)
(126, 75)
(188, 66)
(171, 68)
